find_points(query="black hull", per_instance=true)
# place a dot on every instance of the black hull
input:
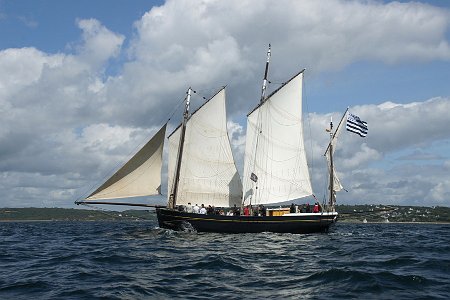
(298, 223)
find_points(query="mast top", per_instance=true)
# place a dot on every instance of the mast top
(268, 53)
(264, 87)
(188, 102)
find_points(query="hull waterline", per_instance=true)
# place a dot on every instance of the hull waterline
(291, 223)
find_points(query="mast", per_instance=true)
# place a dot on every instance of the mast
(264, 87)
(274, 148)
(253, 176)
(330, 149)
(173, 194)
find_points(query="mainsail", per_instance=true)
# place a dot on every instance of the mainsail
(140, 176)
(275, 165)
(208, 173)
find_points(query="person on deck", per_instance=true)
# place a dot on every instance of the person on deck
(292, 209)
(255, 211)
(308, 208)
(246, 211)
(262, 210)
(236, 211)
(196, 209)
(316, 208)
(203, 210)
(303, 209)
(189, 208)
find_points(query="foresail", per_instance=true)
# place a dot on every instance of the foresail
(208, 173)
(275, 155)
(140, 176)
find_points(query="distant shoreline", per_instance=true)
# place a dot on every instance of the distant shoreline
(393, 222)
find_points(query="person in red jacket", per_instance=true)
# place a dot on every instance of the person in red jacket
(246, 211)
(316, 208)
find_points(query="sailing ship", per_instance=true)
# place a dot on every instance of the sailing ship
(202, 169)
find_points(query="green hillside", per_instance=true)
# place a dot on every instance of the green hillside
(393, 213)
(64, 214)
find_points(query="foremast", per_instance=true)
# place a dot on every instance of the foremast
(172, 198)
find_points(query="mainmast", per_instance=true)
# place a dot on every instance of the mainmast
(264, 87)
(253, 176)
(173, 194)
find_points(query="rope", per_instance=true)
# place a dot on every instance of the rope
(279, 83)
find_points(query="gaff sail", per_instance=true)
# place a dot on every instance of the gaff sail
(275, 151)
(208, 174)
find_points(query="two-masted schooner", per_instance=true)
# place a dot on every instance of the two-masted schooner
(202, 169)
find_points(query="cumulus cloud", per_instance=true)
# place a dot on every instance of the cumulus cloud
(441, 192)
(213, 43)
(323, 35)
(99, 43)
(65, 122)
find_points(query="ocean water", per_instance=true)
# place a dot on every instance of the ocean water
(138, 260)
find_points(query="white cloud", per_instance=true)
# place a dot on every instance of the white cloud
(20, 68)
(441, 192)
(321, 35)
(447, 165)
(29, 22)
(403, 125)
(99, 43)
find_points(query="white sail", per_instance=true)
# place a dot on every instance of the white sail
(274, 150)
(140, 176)
(208, 174)
(337, 185)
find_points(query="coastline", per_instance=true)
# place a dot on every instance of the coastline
(394, 222)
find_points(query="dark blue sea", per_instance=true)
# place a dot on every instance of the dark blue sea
(137, 260)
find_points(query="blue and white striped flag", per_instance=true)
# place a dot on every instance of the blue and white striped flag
(354, 124)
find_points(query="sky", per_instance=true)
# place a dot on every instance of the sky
(84, 84)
